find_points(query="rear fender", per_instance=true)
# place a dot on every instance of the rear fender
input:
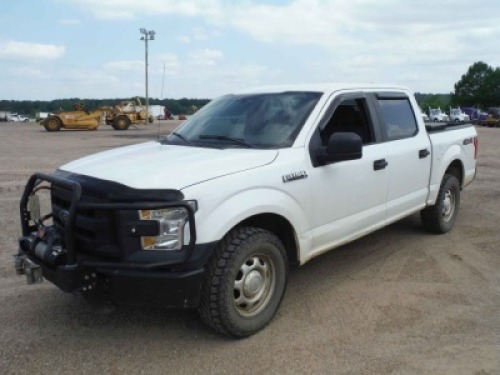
(441, 161)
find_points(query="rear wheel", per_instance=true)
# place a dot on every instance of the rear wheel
(52, 124)
(440, 217)
(121, 123)
(245, 282)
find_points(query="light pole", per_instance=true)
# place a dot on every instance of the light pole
(148, 35)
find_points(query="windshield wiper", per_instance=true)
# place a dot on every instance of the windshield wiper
(238, 141)
(181, 137)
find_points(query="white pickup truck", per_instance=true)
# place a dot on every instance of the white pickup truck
(18, 118)
(211, 216)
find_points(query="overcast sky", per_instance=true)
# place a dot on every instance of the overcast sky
(91, 48)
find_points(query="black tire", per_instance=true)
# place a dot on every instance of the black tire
(52, 124)
(440, 217)
(245, 283)
(121, 123)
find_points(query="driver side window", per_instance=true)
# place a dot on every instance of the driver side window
(351, 115)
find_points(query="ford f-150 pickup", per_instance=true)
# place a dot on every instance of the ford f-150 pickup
(212, 215)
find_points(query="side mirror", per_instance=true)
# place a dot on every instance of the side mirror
(342, 147)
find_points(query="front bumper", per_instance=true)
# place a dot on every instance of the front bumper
(152, 278)
(163, 288)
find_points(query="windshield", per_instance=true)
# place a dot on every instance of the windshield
(253, 120)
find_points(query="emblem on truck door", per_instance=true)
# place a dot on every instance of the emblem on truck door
(294, 176)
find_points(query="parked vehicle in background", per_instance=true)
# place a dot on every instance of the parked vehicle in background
(475, 114)
(80, 118)
(493, 119)
(154, 110)
(457, 115)
(126, 113)
(18, 118)
(211, 216)
(4, 116)
(40, 116)
(437, 115)
(423, 114)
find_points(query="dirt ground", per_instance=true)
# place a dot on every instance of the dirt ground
(399, 301)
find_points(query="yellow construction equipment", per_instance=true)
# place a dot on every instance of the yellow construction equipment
(79, 118)
(126, 113)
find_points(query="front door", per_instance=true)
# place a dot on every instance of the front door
(349, 196)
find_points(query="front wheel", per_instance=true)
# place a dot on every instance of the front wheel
(52, 124)
(121, 123)
(245, 283)
(440, 217)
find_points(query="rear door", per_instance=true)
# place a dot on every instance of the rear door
(407, 152)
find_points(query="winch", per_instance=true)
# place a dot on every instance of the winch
(46, 245)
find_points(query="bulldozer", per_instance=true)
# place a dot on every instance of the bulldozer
(126, 113)
(78, 118)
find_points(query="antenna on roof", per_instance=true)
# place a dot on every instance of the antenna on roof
(161, 96)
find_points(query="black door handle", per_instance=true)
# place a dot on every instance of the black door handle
(423, 153)
(380, 164)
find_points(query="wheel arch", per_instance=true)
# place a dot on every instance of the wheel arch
(456, 168)
(450, 162)
(268, 208)
(279, 226)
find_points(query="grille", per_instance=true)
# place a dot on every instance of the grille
(95, 230)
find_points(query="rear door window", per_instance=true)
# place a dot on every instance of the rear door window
(398, 118)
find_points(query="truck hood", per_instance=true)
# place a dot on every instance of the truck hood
(152, 165)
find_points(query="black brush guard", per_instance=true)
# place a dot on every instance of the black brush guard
(173, 282)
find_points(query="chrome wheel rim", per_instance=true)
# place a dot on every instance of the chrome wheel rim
(254, 285)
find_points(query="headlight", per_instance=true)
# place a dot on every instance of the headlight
(171, 222)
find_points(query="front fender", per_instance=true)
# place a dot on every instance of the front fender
(213, 225)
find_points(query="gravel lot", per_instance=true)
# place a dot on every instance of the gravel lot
(399, 301)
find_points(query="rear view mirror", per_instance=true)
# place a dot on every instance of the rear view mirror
(342, 147)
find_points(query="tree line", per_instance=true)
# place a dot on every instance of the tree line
(32, 107)
(478, 87)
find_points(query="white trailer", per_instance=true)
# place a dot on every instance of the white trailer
(154, 110)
